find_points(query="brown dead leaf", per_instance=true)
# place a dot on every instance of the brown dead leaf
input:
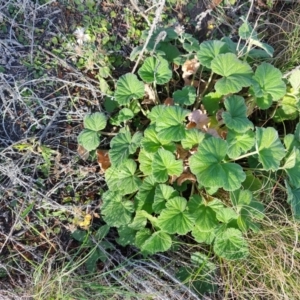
(191, 125)
(190, 67)
(214, 3)
(103, 159)
(150, 94)
(199, 117)
(82, 152)
(169, 101)
(181, 153)
(184, 177)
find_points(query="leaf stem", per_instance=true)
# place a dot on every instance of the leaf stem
(245, 155)
(108, 133)
(204, 90)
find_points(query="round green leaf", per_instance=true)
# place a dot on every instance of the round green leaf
(170, 125)
(157, 242)
(209, 50)
(175, 218)
(165, 164)
(268, 83)
(294, 172)
(231, 245)
(123, 179)
(145, 160)
(128, 88)
(116, 212)
(235, 116)
(236, 74)
(95, 121)
(151, 142)
(193, 137)
(89, 139)
(122, 145)
(239, 143)
(186, 96)
(269, 147)
(207, 165)
(163, 193)
(155, 69)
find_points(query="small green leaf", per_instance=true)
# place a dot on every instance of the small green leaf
(122, 145)
(151, 142)
(157, 242)
(226, 214)
(231, 245)
(268, 84)
(190, 44)
(125, 114)
(139, 222)
(235, 117)
(155, 69)
(251, 182)
(96, 121)
(294, 172)
(294, 200)
(239, 143)
(174, 218)
(170, 125)
(236, 74)
(163, 193)
(145, 196)
(116, 211)
(101, 232)
(165, 164)
(89, 139)
(193, 137)
(186, 96)
(209, 50)
(294, 80)
(145, 160)
(270, 150)
(155, 113)
(211, 102)
(171, 51)
(288, 109)
(126, 236)
(207, 165)
(128, 88)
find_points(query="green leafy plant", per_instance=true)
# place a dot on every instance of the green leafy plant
(194, 165)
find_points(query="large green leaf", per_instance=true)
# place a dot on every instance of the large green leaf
(170, 125)
(236, 74)
(175, 218)
(123, 179)
(171, 51)
(122, 145)
(151, 142)
(294, 200)
(231, 245)
(96, 121)
(268, 84)
(165, 164)
(116, 211)
(155, 69)
(89, 139)
(128, 88)
(269, 147)
(235, 116)
(294, 172)
(207, 165)
(186, 96)
(163, 193)
(158, 242)
(239, 143)
(193, 137)
(209, 50)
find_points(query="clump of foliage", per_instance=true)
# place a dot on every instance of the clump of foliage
(190, 161)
